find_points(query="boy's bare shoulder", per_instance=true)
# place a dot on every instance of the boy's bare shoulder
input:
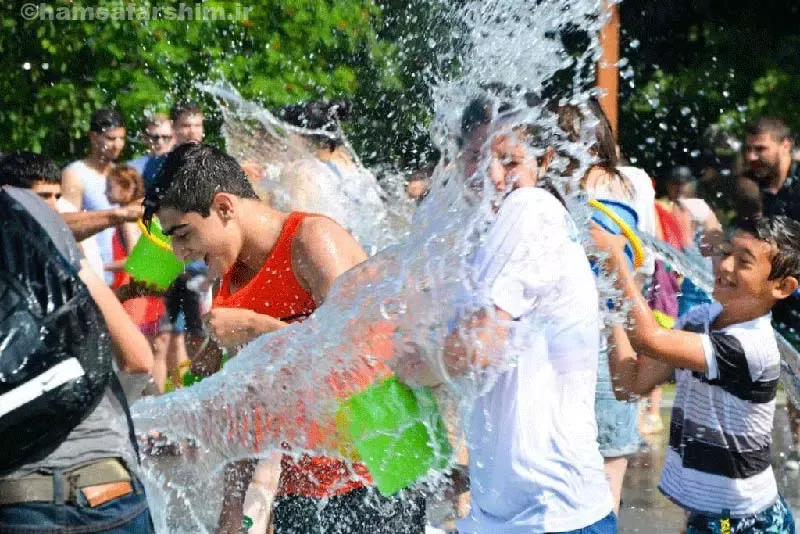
(318, 234)
(316, 227)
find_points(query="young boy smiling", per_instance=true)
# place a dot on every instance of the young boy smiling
(725, 359)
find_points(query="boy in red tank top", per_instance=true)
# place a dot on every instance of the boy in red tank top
(275, 268)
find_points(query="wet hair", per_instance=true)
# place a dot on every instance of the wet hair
(769, 125)
(128, 178)
(784, 234)
(192, 174)
(570, 119)
(477, 113)
(184, 107)
(480, 112)
(606, 145)
(24, 169)
(481, 109)
(105, 119)
(318, 115)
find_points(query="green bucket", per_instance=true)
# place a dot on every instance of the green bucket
(152, 260)
(397, 432)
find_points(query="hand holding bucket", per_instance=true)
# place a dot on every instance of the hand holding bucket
(152, 260)
(397, 432)
(619, 218)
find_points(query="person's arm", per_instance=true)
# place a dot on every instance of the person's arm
(72, 188)
(233, 327)
(134, 352)
(85, 224)
(477, 342)
(130, 234)
(115, 267)
(321, 252)
(633, 375)
(674, 347)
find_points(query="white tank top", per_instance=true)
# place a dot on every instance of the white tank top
(94, 199)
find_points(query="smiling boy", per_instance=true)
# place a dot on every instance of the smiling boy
(276, 268)
(725, 359)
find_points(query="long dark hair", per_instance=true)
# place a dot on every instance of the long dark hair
(604, 147)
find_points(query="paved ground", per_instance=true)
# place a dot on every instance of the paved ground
(645, 510)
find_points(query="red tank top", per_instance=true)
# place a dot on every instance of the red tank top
(275, 291)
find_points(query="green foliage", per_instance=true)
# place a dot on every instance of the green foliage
(701, 64)
(55, 73)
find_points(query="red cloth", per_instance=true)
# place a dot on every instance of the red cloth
(670, 227)
(145, 312)
(275, 291)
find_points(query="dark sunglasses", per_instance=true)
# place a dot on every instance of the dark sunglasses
(156, 137)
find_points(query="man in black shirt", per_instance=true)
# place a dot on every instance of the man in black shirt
(768, 151)
(771, 169)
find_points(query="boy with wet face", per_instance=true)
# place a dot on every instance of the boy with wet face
(530, 299)
(725, 359)
(275, 268)
(512, 163)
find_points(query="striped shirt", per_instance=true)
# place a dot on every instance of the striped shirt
(718, 459)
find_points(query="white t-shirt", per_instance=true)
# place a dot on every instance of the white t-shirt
(698, 209)
(534, 460)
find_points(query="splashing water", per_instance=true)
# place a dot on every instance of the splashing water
(284, 388)
(292, 177)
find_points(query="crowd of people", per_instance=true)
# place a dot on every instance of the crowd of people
(564, 419)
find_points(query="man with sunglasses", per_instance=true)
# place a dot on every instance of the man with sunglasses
(160, 140)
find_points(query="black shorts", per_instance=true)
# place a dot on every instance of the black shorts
(361, 511)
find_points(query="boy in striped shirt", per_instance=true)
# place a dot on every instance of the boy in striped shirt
(725, 359)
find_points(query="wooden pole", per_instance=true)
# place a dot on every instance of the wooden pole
(607, 68)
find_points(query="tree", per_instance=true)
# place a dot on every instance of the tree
(692, 65)
(57, 72)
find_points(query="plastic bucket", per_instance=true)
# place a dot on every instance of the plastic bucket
(620, 219)
(152, 260)
(397, 432)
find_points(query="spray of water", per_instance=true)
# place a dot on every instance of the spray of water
(284, 388)
(291, 177)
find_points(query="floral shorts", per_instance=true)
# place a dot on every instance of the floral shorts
(777, 519)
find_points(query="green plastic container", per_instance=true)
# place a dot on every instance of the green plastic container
(152, 260)
(397, 432)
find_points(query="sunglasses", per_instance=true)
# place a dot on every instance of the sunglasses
(156, 137)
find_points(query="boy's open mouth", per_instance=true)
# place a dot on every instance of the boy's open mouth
(723, 282)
